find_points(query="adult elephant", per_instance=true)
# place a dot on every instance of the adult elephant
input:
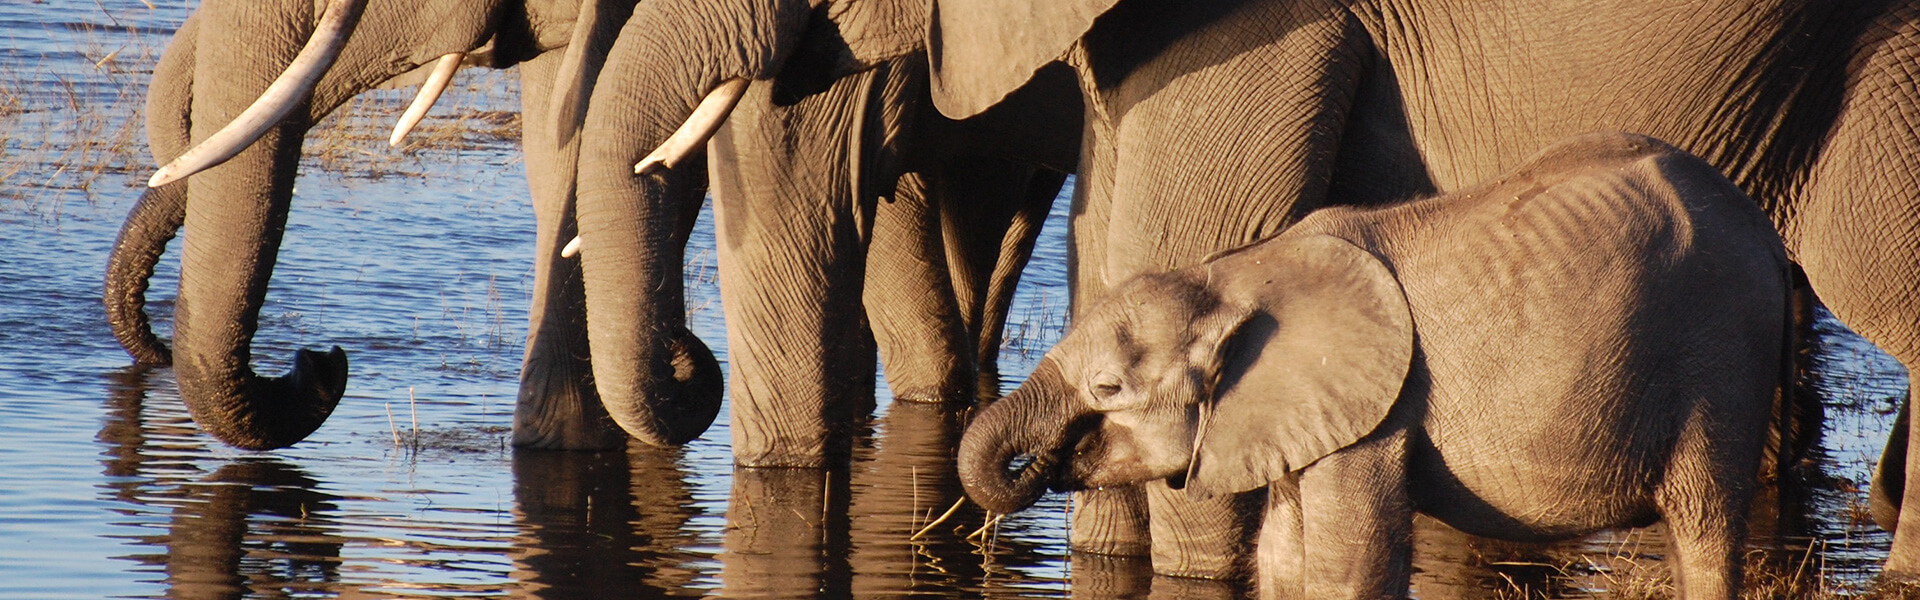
(968, 195)
(1297, 104)
(217, 113)
(558, 46)
(805, 258)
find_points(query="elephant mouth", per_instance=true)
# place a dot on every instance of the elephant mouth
(1073, 466)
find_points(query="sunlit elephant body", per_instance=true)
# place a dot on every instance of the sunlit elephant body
(1525, 359)
(1212, 125)
(239, 208)
(559, 56)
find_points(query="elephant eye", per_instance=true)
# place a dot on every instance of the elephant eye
(1105, 385)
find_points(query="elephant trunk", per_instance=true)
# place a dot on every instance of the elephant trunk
(154, 221)
(1012, 450)
(157, 217)
(654, 376)
(235, 215)
(656, 379)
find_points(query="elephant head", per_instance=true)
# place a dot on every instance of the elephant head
(231, 101)
(1223, 377)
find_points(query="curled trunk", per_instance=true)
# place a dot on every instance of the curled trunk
(157, 217)
(154, 221)
(1012, 449)
(235, 215)
(656, 379)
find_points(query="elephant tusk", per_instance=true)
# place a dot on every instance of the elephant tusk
(293, 86)
(429, 93)
(693, 134)
(572, 248)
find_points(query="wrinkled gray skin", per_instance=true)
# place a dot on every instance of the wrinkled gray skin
(241, 208)
(798, 351)
(1525, 360)
(1803, 104)
(934, 264)
(557, 405)
(1807, 106)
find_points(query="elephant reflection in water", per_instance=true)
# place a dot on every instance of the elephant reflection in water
(253, 527)
(790, 533)
(597, 525)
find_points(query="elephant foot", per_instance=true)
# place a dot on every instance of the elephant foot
(1203, 539)
(1111, 522)
(933, 395)
(556, 413)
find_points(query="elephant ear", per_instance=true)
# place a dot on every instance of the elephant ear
(1313, 369)
(982, 50)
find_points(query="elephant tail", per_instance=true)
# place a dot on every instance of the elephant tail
(152, 222)
(1797, 414)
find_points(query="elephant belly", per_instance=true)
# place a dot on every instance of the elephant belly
(1545, 497)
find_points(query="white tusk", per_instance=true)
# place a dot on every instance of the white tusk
(429, 93)
(292, 87)
(572, 248)
(692, 135)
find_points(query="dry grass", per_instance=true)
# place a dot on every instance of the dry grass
(479, 111)
(67, 125)
(71, 125)
(1628, 572)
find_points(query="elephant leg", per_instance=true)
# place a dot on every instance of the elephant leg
(945, 258)
(1704, 503)
(910, 300)
(991, 230)
(557, 406)
(1237, 172)
(1854, 235)
(792, 262)
(1357, 521)
(1210, 538)
(1111, 521)
(1279, 568)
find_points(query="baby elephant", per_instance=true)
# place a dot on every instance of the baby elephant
(1592, 341)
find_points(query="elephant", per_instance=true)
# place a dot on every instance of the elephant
(940, 349)
(242, 156)
(804, 260)
(796, 348)
(1803, 105)
(1524, 359)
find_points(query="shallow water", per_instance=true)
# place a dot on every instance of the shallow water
(107, 489)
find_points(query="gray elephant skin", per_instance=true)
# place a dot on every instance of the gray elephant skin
(933, 355)
(1213, 125)
(1594, 340)
(234, 213)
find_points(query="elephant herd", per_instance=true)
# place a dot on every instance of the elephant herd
(880, 169)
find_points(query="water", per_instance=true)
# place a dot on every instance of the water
(418, 265)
